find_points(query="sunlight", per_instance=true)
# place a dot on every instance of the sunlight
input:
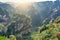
(24, 5)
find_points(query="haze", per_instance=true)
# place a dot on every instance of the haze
(24, 0)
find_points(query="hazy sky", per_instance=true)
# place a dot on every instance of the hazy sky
(24, 0)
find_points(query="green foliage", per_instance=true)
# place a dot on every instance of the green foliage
(19, 37)
(16, 24)
(48, 32)
(57, 20)
(19, 24)
(3, 29)
(3, 38)
(12, 37)
(35, 36)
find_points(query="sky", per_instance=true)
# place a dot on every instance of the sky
(24, 0)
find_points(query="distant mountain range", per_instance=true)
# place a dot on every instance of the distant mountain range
(40, 12)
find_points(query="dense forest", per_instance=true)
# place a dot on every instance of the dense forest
(38, 21)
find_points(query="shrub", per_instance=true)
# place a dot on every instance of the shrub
(3, 38)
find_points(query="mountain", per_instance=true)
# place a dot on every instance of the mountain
(5, 11)
(40, 12)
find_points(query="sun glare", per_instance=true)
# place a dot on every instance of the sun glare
(24, 5)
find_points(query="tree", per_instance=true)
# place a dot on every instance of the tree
(57, 20)
(20, 24)
(3, 29)
(12, 37)
(4, 16)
